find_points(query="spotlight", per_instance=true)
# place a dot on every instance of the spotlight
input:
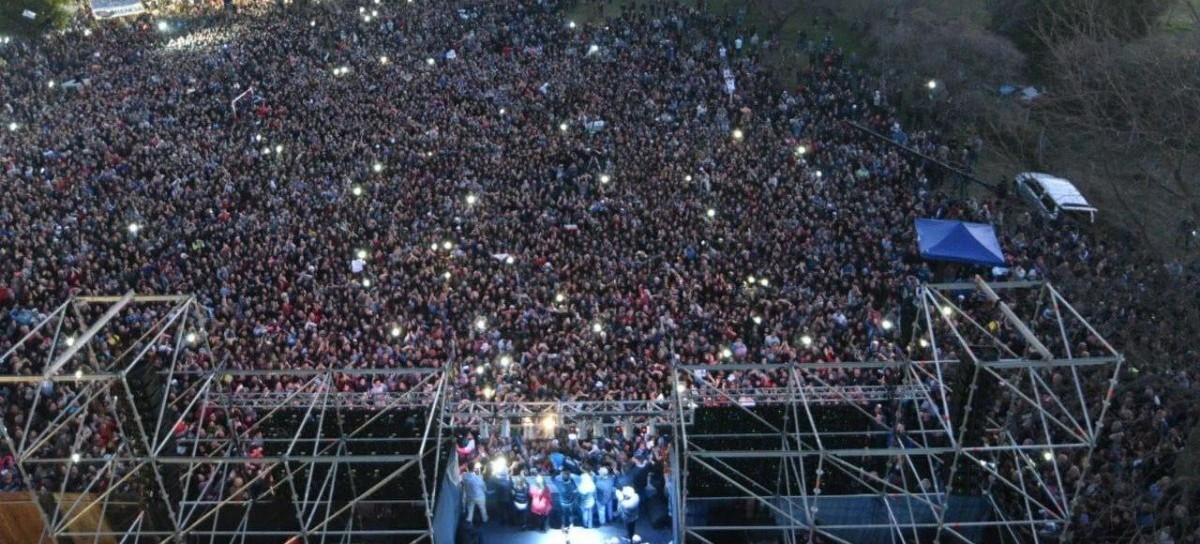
(711, 213)
(887, 324)
(562, 127)
(681, 388)
(597, 328)
(726, 353)
(383, 60)
(361, 254)
(79, 374)
(505, 360)
(430, 61)
(70, 341)
(932, 84)
(806, 340)
(134, 228)
(946, 311)
(75, 457)
(604, 178)
(481, 324)
(192, 337)
(366, 283)
(472, 199)
(278, 148)
(447, 245)
(163, 26)
(801, 150)
(12, 127)
(571, 24)
(738, 134)
(764, 282)
(751, 279)
(757, 320)
(377, 167)
(509, 260)
(356, 191)
(560, 298)
(1047, 455)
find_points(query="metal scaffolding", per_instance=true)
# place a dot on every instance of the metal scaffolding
(984, 431)
(200, 459)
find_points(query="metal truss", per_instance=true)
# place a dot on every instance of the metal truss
(984, 431)
(199, 460)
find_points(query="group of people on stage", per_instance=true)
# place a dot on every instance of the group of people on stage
(562, 484)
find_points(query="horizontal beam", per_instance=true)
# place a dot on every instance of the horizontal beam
(185, 460)
(874, 452)
(135, 299)
(970, 285)
(248, 532)
(237, 373)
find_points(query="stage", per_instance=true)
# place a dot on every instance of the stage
(495, 533)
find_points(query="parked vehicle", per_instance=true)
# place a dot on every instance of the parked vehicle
(1052, 196)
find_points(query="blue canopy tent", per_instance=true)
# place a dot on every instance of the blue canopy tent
(956, 241)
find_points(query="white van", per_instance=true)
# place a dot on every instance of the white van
(1052, 195)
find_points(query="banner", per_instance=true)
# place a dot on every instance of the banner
(730, 84)
(108, 9)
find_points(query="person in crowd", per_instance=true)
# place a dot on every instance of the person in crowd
(605, 496)
(475, 494)
(520, 500)
(628, 503)
(587, 498)
(540, 503)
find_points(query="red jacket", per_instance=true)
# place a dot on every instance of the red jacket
(539, 501)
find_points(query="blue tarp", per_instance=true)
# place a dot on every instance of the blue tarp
(971, 243)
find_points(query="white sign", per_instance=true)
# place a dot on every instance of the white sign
(28, 15)
(730, 82)
(108, 9)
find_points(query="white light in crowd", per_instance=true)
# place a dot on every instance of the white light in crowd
(501, 111)
(509, 260)
(356, 190)
(738, 134)
(887, 324)
(312, 23)
(447, 245)
(361, 254)
(605, 178)
(819, 174)
(70, 341)
(548, 424)
(258, 137)
(932, 84)
(472, 199)
(488, 392)
(681, 388)
(375, 13)
(366, 283)
(377, 167)
(376, 1)
(446, 275)
(51, 84)
(946, 311)
(726, 353)
(687, 177)
(163, 26)
(383, 59)
(505, 360)
(571, 24)
(801, 150)
(79, 374)
(560, 297)
(278, 148)
(806, 340)
(562, 127)
(430, 61)
(395, 331)
(764, 282)
(499, 464)
(191, 338)
(481, 324)
(923, 342)
(751, 279)
(1047, 455)
(366, 18)
(75, 457)
(593, 49)
(266, 150)
(757, 320)
(87, 32)
(12, 127)
(597, 328)
(711, 213)
(134, 227)
(433, 246)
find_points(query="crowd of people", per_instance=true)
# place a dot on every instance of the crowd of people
(560, 210)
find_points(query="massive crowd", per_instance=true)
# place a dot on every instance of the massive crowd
(561, 210)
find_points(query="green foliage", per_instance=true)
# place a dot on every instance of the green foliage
(50, 14)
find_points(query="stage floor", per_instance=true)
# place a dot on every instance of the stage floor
(494, 533)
